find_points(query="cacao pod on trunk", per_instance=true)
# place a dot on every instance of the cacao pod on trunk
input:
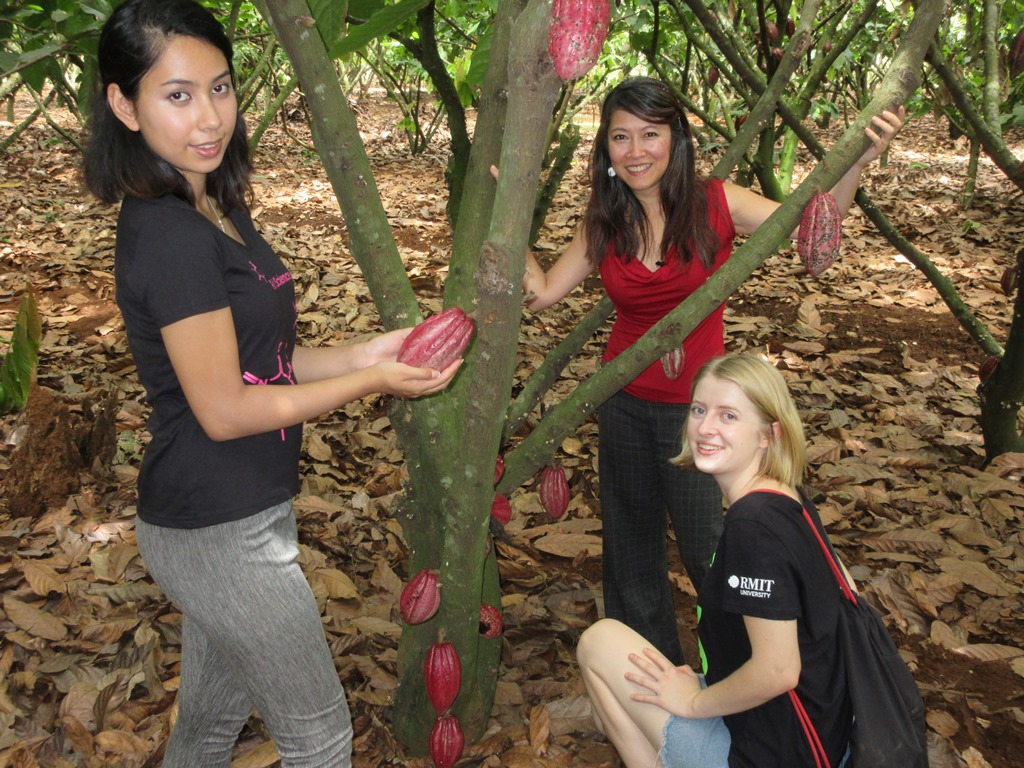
(821, 229)
(491, 624)
(987, 368)
(577, 33)
(1008, 281)
(672, 362)
(421, 597)
(501, 509)
(446, 741)
(442, 671)
(554, 491)
(438, 341)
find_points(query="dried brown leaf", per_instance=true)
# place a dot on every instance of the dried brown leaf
(34, 621)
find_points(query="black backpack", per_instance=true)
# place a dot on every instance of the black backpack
(888, 711)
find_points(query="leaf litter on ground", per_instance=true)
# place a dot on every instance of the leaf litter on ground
(885, 377)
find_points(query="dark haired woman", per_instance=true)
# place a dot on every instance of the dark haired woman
(656, 232)
(210, 315)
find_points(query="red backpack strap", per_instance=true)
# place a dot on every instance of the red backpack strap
(817, 750)
(848, 593)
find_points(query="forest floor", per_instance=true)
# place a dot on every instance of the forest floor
(885, 376)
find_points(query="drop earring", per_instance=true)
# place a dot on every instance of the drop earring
(611, 173)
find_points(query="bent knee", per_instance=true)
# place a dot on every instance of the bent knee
(597, 640)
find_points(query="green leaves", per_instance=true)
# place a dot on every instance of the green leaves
(22, 356)
(380, 18)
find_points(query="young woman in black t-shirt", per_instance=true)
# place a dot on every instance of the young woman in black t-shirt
(210, 316)
(768, 610)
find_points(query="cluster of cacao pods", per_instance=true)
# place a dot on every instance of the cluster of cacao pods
(821, 230)
(1016, 57)
(438, 341)
(554, 491)
(421, 597)
(442, 673)
(672, 362)
(576, 36)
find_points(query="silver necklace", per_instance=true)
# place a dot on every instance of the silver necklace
(213, 207)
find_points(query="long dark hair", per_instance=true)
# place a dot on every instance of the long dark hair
(615, 215)
(118, 161)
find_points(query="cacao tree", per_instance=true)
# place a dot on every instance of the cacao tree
(451, 441)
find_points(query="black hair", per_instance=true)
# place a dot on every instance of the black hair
(118, 161)
(614, 213)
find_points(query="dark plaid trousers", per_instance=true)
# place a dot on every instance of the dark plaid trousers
(640, 491)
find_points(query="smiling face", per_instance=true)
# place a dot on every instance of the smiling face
(185, 108)
(639, 151)
(727, 435)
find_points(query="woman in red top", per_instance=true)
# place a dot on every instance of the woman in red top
(656, 232)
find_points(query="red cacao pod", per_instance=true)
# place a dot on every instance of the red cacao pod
(421, 597)
(554, 491)
(826, 47)
(777, 53)
(740, 121)
(712, 76)
(491, 624)
(576, 36)
(773, 31)
(446, 741)
(672, 362)
(821, 229)
(438, 341)
(1008, 281)
(790, 27)
(987, 368)
(501, 509)
(442, 672)
(499, 468)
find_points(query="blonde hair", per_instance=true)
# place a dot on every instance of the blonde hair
(786, 456)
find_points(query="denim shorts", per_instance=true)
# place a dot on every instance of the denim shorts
(701, 743)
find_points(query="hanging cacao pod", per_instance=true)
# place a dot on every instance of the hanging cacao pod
(576, 36)
(826, 47)
(438, 341)
(712, 76)
(446, 741)
(1008, 282)
(421, 597)
(501, 509)
(773, 31)
(442, 672)
(554, 491)
(672, 362)
(821, 229)
(790, 27)
(491, 624)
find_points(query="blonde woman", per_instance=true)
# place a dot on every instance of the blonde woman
(767, 619)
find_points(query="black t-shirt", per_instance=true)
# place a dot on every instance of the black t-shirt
(769, 565)
(172, 263)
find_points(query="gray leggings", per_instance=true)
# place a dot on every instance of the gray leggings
(251, 638)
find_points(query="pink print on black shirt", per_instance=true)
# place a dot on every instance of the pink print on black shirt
(284, 371)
